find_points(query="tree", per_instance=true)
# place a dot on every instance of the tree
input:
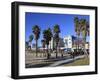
(77, 30)
(56, 36)
(47, 35)
(84, 30)
(30, 40)
(36, 32)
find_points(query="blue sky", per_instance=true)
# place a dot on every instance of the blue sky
(45, 20)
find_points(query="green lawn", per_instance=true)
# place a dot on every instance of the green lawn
(84, 61)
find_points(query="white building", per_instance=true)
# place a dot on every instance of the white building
(52, 43)
(69, 42)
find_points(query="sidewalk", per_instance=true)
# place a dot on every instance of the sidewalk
(54, 62)
(66, 61)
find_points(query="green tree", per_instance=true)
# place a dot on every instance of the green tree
(36, 32)
(56, 36)
(47, 35)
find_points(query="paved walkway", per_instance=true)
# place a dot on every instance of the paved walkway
(66, 61)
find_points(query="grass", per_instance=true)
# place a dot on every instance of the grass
(84, 61)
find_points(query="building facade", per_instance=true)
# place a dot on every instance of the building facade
(52, 43)
(69, 42)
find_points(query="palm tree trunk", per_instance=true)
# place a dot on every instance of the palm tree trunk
(43, 51)
(62, 55)
(78, 44)
(56, 50)
(50, 48)
(36, 48)
(31, 46)
(47, 53)
(84, 45)
(85, 51)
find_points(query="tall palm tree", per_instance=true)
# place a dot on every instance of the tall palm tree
(30, 40)
(84, 30)
(36, 32)
(47, 35)
(77, 30)
(56, 36)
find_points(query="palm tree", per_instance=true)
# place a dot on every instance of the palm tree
(77, 29)
(84, 30)
(30, 40)
(56, 36)
(36, 32)
(47, 35)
